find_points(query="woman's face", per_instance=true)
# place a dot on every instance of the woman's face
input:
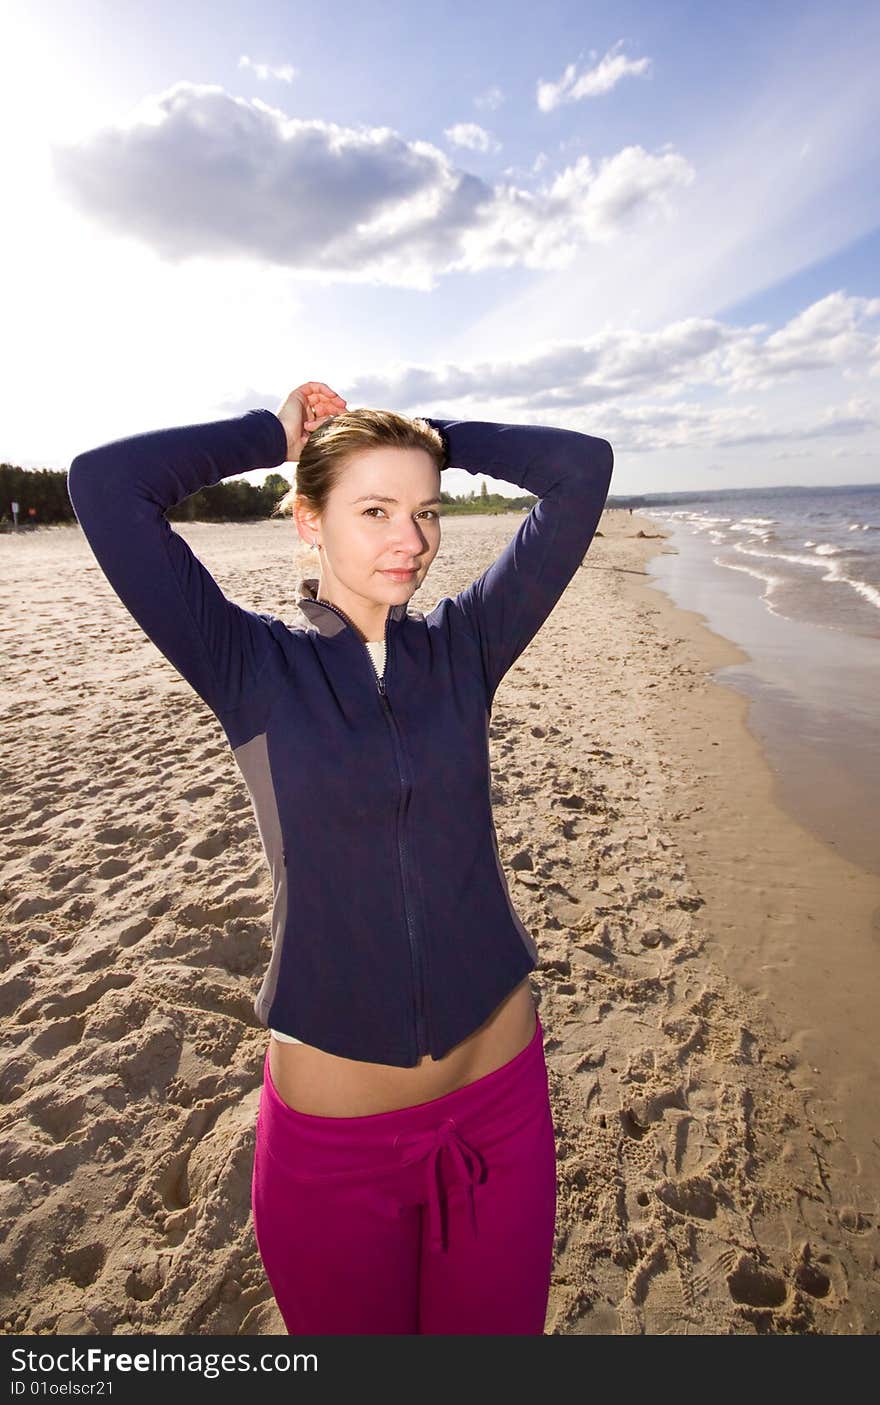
(382, 516)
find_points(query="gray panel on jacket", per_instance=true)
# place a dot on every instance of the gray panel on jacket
(253, 762)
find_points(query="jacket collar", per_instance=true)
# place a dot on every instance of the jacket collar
(329, 620)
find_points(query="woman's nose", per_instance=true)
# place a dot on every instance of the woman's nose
(409, 537)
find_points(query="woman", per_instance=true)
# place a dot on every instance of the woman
(404, 1173)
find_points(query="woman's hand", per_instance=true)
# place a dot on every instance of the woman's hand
(303, 410)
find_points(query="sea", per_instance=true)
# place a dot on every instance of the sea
(792, 576)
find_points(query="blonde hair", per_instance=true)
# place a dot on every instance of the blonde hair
(329, 448)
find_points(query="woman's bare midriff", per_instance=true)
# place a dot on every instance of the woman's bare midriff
(325, 1085)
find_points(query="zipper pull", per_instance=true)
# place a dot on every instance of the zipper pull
(381, 682)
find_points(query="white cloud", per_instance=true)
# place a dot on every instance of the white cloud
(472, 136)
(828, 333)
(595, 82)
(626, 182)
(650, 428)
(835, 421)
(621, 362)
(566, 382)
(285, 72)
(195, 172)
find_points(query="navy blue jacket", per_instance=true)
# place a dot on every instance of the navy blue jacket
(393, 931)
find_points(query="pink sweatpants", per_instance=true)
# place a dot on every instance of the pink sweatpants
(435, 1218)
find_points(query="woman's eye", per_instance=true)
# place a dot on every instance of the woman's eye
(429, 512)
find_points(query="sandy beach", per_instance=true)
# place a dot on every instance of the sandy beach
(712, 1080)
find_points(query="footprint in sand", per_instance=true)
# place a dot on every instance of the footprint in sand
(130, 936)
(146, 1278)
(75, 1002)
(33, 906)
(115, 834)
(60, 1034)
(205, 914)
(112, 868)
(58, 1118)
(165, 844)
(854, 1221)
(13, 1077)
(14, 991)
(197, 792)
(189, 1176)
(755, 1285)
(698, 1196)
(212, 846)
(83, 1265)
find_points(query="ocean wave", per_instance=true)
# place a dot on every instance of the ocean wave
(834, 573)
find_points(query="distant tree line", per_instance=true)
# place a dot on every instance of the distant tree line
(43, 500)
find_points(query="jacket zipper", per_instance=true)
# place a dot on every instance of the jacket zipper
(420, 1022)
(421, 1031)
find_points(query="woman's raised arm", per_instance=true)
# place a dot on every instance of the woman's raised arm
(571, 473)
(120, 492)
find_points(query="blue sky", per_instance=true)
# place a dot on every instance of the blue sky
(656, 222)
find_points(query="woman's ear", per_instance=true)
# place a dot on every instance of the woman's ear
(308, 523)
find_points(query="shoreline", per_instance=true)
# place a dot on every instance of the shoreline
(790, 919)
(809, 686)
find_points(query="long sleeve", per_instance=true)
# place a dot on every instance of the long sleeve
(571, 474)
(120, 492)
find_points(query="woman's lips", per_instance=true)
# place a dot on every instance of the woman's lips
(399, 575)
